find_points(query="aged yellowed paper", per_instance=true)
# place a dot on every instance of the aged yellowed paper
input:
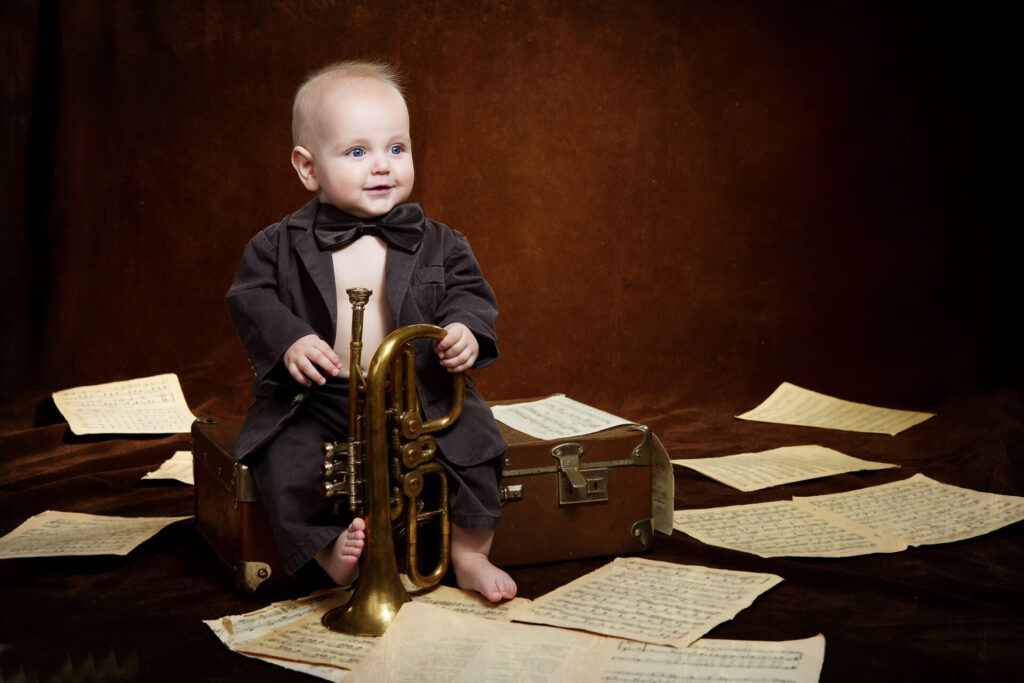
(178, 467)
(716, 661)
(793, 405)
(292, 631)
(237, 630)
(647, 600)
(555, 417)
(428, 644)
(922, 511)
(783, 529)
(663, 488)
(149, 405)
(55, 534)
(785, 465)
(875, 519)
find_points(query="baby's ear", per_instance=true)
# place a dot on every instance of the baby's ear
(302, 160)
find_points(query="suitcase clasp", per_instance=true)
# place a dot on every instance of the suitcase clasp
(575, 485)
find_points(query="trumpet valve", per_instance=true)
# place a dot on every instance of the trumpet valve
(412, 483)
(415, 453)
(335, 487)
(411, 424)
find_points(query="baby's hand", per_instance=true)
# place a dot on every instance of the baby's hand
(459, 348)
(302, 358)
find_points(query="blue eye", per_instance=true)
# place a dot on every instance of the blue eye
(395, 149)
(357, 152)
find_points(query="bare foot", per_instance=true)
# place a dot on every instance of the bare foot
(473, 571)
(340, 559)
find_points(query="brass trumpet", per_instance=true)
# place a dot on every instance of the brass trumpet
(381, 469)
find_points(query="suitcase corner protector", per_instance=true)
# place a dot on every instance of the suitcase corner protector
(643, 532)
(250, 575)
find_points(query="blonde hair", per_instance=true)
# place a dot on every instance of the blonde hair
(309, 97)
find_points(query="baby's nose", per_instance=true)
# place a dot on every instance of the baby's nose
(381, 163)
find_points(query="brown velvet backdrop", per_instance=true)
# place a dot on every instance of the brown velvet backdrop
(676, 202)
(680, 203)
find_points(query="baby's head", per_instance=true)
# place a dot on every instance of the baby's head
(350, 128)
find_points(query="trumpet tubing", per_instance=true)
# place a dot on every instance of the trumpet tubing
(382, 470)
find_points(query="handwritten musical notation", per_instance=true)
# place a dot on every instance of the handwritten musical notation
(555, 417)
(793, 405)
(149, 405)
(178, 467)
(648, 600)
(755, 471)
(713, 661)
(876, 519)
(922, 511)
(290, 633)
(782, 529)
(56, 534)
(238, 630)
(427, 643)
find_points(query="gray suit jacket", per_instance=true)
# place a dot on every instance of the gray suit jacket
(284, 290)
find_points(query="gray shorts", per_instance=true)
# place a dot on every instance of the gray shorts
(287, 472)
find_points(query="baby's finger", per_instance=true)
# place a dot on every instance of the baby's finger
(446, 343)
(325, 349)
(296, 373)
(460, 362)
(321, 359)
(309, 370)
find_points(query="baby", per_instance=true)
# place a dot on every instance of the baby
(353, 150)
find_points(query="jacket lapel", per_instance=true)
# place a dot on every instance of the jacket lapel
(319, 264)
(398, 276)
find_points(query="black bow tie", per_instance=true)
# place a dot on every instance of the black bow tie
(402, 227)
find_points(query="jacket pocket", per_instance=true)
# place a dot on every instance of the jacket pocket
(428, 288)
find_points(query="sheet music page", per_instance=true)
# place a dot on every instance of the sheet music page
(325, 672)
(647, 600)
(469, 602)
(149, 405)
(56, 534)
(663, 489)
(755, 471)
(177, 467)
(792, 405)
(555, 417)
(239, 629)
(428, 644)
(924, 511)
(307, 640)
(783, 529)
(717, 661)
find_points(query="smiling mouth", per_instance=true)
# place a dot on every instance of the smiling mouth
(378, 189)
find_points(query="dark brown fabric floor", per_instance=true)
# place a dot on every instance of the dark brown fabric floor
(939, 613)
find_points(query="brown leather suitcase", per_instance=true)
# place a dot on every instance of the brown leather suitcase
(228, 511)
(586, 496)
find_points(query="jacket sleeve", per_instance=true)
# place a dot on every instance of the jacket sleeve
(469, 299)
(265, 325)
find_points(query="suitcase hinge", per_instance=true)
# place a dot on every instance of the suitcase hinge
(575, 485)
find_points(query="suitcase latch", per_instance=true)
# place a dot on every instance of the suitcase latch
(576, 485)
